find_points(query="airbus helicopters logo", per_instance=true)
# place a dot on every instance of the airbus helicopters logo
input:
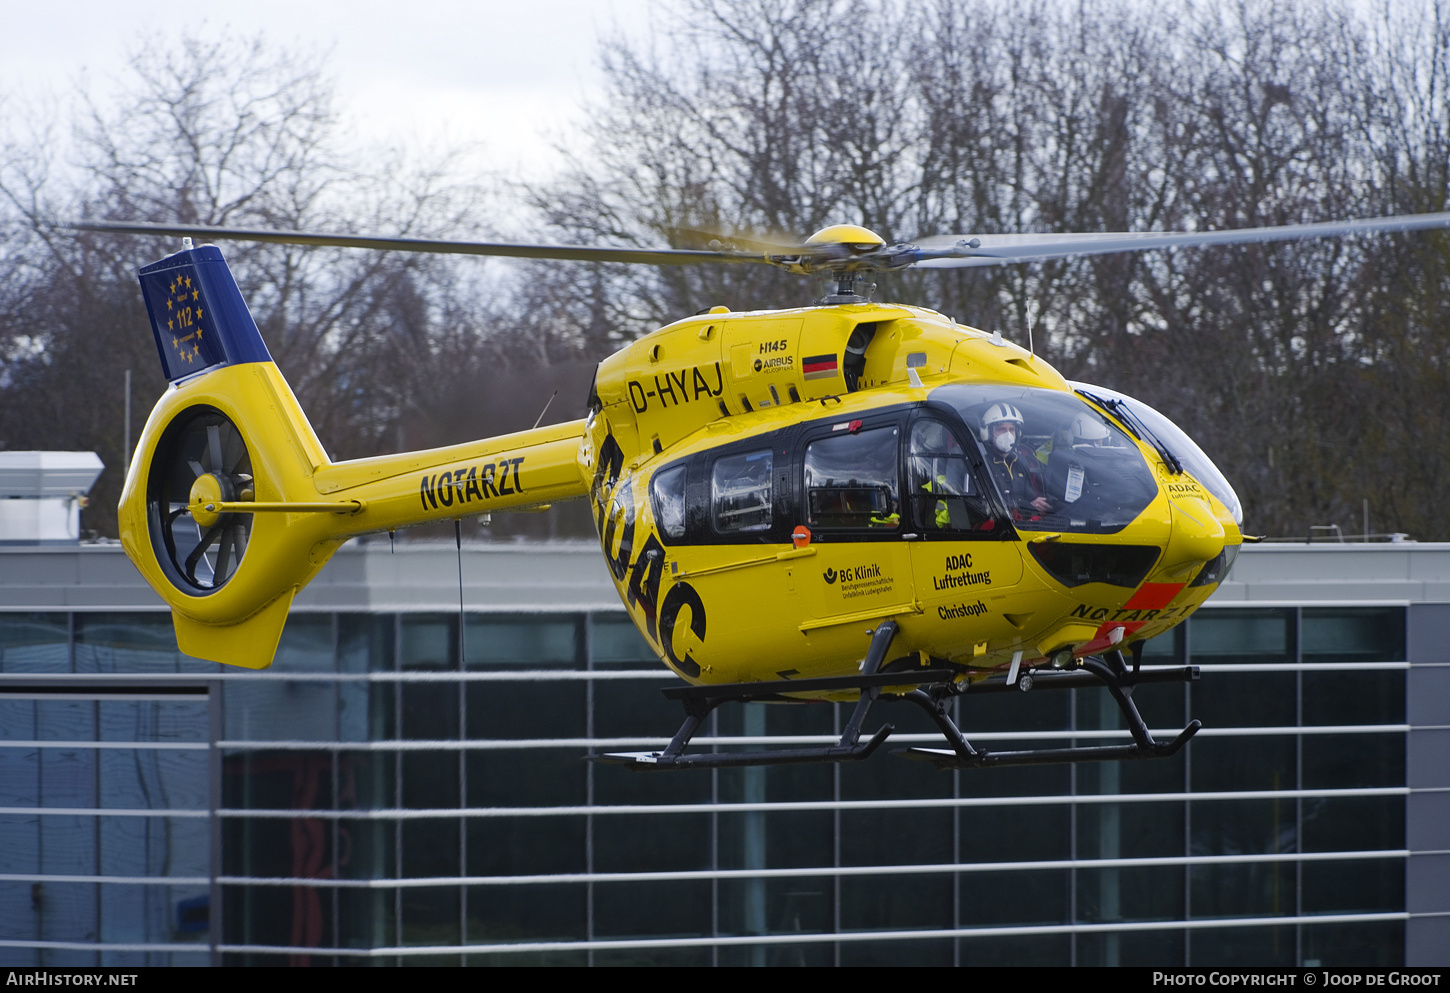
(774, 362)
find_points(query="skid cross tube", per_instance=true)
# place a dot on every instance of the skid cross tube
(933, 691)
(1109, 672)
(699, 701)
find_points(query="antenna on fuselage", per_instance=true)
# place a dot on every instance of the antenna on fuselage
(546, 408)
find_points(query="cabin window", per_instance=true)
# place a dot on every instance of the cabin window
(943, 494)
(740, 492)
(851, 481)
(668, 491)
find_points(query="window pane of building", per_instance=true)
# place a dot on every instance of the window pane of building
(126, 643)
(1354, 634)
(1241, 635)
(539, 640)
(34, 642)
(613, 639)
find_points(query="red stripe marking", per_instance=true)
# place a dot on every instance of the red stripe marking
(1154, 596)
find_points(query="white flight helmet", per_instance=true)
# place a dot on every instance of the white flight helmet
(1088, 430)
(996, 414)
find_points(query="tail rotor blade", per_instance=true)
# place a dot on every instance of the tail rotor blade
(199, 551)
(214, 446)
(224, 554)
(235, 451)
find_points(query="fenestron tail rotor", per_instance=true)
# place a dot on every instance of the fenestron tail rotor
(201, 460)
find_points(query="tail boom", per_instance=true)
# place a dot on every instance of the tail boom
(232, 506)
(508, 472)
(308, 506)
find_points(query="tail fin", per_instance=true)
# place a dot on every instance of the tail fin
(232, 506)
(198, 316)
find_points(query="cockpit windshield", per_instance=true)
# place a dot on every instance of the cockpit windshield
(1176, 441)
(1057, 463)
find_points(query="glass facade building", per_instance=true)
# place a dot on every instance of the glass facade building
(397, 791)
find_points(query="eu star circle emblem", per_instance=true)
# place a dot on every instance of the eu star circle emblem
(184, 314)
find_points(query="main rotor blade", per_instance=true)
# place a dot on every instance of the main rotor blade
(948, 252)
(740, 242)
(567, 253)
(1005, 249)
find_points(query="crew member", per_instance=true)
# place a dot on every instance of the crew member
(1087, 432)
(1014, 465)
(938, 468)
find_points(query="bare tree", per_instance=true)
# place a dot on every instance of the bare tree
(1314, 373)
(1047, 116)
(217, 132)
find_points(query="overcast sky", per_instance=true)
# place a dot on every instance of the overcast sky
(509, 75)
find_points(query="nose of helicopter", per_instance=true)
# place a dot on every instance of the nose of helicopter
(1196, 538)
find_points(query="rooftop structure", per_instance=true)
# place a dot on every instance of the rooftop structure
(41, 496)
(392, 792)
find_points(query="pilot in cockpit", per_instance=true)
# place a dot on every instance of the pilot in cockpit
(1014, 465)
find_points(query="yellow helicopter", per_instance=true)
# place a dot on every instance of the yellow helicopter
(838, 502)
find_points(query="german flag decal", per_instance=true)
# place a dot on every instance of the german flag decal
(820, 366)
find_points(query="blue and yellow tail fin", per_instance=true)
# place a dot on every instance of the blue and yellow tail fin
(198, 316)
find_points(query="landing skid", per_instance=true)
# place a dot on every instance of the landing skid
(932, 692)
(1110, 672)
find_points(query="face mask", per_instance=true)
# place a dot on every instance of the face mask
(1005, 441)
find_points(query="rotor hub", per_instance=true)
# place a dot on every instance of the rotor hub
(209, 490)
(848, 287)
(850, 236)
